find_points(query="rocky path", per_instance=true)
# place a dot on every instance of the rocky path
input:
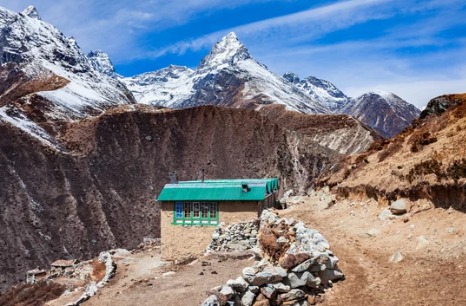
(432, 244)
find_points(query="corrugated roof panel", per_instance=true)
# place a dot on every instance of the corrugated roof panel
(211, 192)
(219, 190)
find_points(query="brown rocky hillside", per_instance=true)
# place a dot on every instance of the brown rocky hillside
(427, 160)
(92, 188)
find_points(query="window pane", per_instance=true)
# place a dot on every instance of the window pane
(187, 209)
(179, 210)
(213, 210)
(196, 207)
(205, 210)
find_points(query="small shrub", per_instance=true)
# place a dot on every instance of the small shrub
(37, 294)
(98, 270)
(418, 141)
(390, 150)
(424, 168)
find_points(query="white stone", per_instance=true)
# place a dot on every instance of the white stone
(422, 242)
(385, 214)
(169, 273)
(248, 298)
(227, 292)
(396, 257)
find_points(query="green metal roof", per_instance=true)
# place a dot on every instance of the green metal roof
(219, 190)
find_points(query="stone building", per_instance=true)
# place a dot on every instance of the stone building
(189, 210)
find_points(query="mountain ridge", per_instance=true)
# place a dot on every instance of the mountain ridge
(229, 76)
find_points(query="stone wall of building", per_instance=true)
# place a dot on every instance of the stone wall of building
(179, 242)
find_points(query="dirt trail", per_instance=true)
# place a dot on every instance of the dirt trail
(139, 280)
(430, 272)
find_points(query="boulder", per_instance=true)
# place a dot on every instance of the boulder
(281, 287)
(269, 275)
(268, 291)
(304, 265)
(226, 293)
(294, 294)
(212, 300)
(238, 284)
(399, 207)
(300, 279)
(248, 298)
(330, 275)
(290, 260)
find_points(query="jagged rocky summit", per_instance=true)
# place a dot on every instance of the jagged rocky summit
(227, 76)
(230, 76)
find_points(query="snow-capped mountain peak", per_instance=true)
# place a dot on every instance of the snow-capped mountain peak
(62, 74)
(319, 90)
(101, 62)
(227, 76)
(32, 12)
(228, 50)
(385, 112)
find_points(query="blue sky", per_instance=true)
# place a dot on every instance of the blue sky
(416, 49)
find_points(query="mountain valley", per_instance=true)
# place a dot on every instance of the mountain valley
(85, 152)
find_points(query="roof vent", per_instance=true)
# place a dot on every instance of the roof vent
(245, 187)
(173, 177)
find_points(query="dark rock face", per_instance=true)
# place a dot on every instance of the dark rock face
(440, 104)
(386, 113)
(97, 192)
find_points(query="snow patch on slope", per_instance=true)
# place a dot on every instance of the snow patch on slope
(20, 121)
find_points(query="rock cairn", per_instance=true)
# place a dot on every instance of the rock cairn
(236, 237)
(296, 268)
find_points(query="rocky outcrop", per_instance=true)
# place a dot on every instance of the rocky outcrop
(439, 105)
(296, 268)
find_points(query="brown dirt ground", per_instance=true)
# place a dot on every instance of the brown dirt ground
(428, 275)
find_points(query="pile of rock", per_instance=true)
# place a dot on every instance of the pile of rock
(235, 237)
(297, 266)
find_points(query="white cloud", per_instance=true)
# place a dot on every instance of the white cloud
(117, 26)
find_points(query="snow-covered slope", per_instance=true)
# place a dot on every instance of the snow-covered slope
(40, 51)
(227, 76)
(166, 86)
(319, 90)
(385, 112)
